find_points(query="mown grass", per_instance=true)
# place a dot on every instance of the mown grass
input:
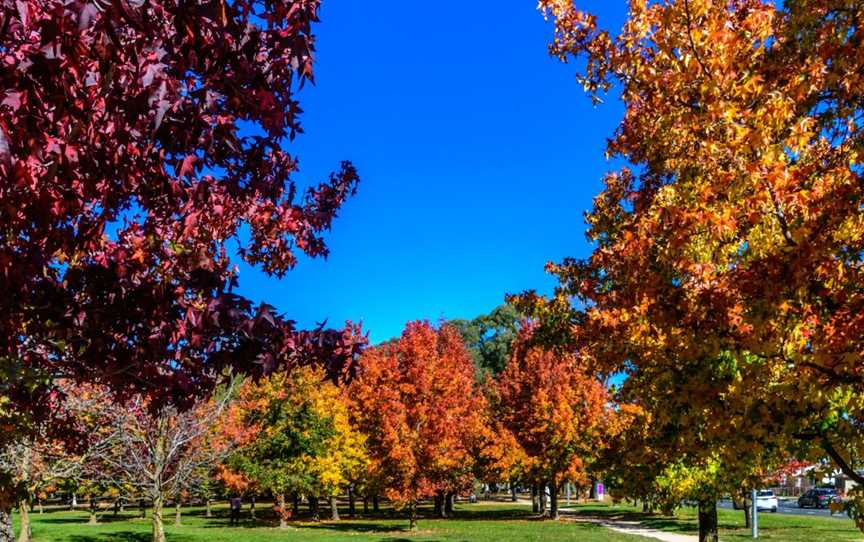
(487, 522)
(478, 522)
(773, 527)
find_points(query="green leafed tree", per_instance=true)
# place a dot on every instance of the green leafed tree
(489, 337)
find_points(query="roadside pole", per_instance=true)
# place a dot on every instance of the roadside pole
(754, 521)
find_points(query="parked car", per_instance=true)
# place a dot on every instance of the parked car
(818, 498)
(765, 501)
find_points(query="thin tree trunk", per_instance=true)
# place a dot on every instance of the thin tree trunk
(412, 525)
(282, 522)
(295, 505)
(178, 502)
(535, 499)
(449, 498)
(351, 498)
(334, 509)
(439, 505)
(513, 497)
(543, 508)
(375, 504)
(7, 534)
(365, 505)
(40, 506)
(24, 526)
(592, 493)
(252, 507)
(313, 508)
(158, 532)
(553, 500)
(708, 521)
(208, 509)
(93, 509)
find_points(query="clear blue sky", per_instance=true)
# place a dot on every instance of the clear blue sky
(478, 155)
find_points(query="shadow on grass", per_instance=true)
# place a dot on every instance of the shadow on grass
(123, 536)
(83, 520)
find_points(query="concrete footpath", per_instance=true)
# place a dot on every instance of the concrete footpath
(624, 526)
(631, 527)
(634, 528)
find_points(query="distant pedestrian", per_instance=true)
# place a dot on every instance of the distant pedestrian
(235, 503)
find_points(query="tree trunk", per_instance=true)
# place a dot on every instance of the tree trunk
(543, 508)
(592, 493)
(375, 504)
(208, 509)
(412, 525)
(178, 502)
(553, 500)
(158, 532)
(748, 515)
(449, 498)
(252, 507)
(295, 505)
(708, 521)
(282, 522)
(7, 534)
(513, 497)
(351, 507)
(24, 526)
(313, 508)
(535, 499)
(334, 509)
(40, 507)
(93, 509)
(365, 505)
(644, 506)
(439, 505)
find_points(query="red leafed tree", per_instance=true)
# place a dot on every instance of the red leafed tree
(418, 402)
(557, 411)
(140, 142)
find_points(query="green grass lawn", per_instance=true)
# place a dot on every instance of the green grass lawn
(491, 522)
(774, 527)
(480, 523)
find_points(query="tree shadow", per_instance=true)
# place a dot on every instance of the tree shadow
(83, 520)
(123, 536)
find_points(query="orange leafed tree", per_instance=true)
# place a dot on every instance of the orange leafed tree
(557, 411)
(418, 402)
(736, 241)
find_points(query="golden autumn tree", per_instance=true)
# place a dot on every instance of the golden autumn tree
(735, 240)
(297, 439)
(557, 412)
(418, 402)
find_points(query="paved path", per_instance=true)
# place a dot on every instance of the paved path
(634, 528)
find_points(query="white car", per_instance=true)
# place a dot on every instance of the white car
(766, 500)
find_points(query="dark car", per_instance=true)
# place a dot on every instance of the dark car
(818, 498)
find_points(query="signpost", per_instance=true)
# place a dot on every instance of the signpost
(754, 515)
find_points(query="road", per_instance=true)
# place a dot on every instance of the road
(791, 507)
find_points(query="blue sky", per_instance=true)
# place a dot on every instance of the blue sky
(478, 155)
